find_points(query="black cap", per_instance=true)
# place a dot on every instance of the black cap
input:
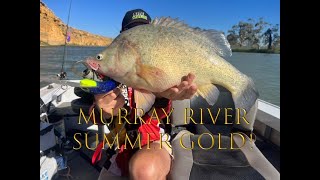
(135, 17)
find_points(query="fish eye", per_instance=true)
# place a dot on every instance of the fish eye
(99, 57)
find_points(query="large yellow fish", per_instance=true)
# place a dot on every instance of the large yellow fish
(154, 57)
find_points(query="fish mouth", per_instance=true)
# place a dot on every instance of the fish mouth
(93, 64)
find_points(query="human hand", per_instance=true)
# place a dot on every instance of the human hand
(110, 102)
(185, 90)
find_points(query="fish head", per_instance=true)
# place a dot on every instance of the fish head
(102, 62)
(114, 62)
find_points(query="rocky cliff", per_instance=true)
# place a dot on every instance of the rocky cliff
(53, 30)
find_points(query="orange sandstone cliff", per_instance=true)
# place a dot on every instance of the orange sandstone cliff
(53, 30)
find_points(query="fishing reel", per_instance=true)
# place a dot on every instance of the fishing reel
(62, 75)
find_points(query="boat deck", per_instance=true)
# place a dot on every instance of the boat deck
(81, 168)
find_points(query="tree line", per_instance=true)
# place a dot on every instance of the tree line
(254, 34)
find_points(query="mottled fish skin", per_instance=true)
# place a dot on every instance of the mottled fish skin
(154, 57)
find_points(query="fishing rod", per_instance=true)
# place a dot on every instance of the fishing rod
(93, 86)
(63, 74)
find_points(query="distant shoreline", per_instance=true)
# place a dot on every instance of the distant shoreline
(268, 51)
(44, 44)
(70, 45)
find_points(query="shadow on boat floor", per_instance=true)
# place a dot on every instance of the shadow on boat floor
(80, 169)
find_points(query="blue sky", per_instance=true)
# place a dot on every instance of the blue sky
(104, 17)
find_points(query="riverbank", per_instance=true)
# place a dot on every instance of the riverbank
(53, 32)
(69, 45)
(269, 51)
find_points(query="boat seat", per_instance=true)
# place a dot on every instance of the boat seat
(244, 161)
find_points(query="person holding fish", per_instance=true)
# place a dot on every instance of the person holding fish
(158, 60)
(135, 163)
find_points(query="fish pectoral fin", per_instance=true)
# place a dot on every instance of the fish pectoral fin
(209, 92)
(144, 100)
(152, 75)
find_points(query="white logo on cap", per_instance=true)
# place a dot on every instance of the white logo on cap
(139, 15)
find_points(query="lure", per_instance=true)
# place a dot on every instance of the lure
(95, 87)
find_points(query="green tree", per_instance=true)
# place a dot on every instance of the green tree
(245, 33)
(233, 37)
(271, 36)
(258, 29)
(276, 42)
(254, 34)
